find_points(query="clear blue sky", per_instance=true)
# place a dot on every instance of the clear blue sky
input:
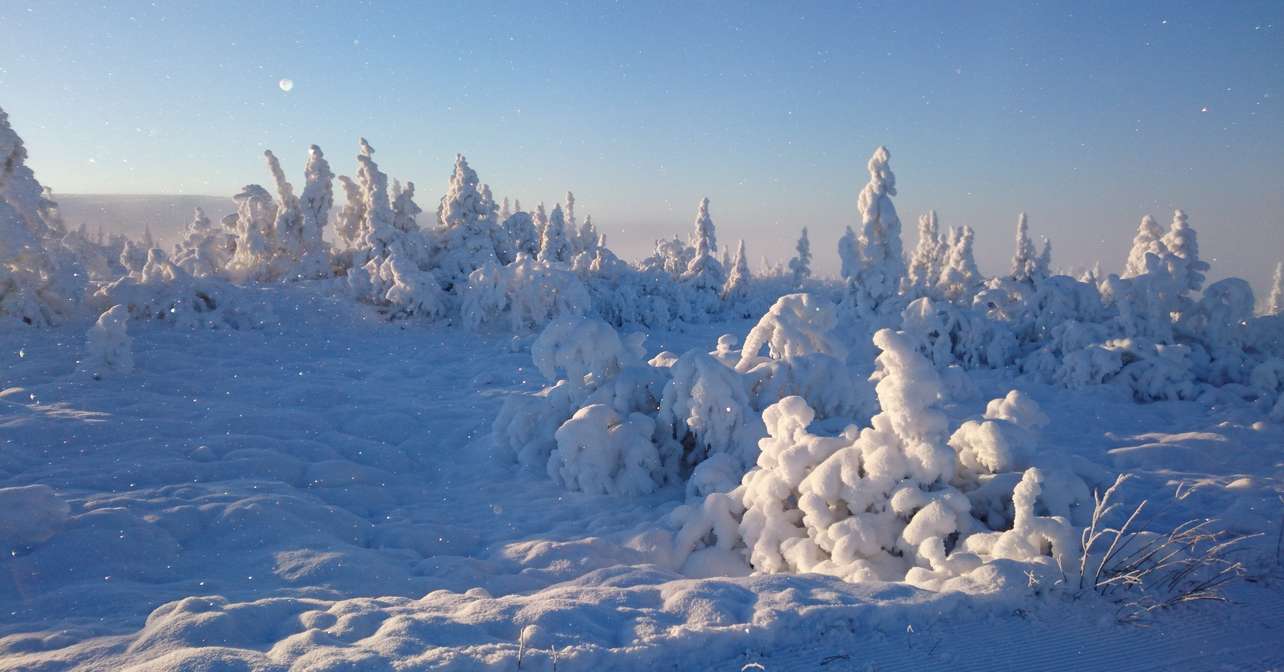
(1086, 115)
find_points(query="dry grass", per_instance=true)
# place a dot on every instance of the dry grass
(1146, 571)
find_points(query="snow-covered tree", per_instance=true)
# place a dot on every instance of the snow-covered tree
(1025, 261)
(348, 223)
(286, 240)
(925, 262)
(315, 202)
(505, 211)
(1183, 246)
(1043, 265)
(1275, 303)
(554, 245)
(253, 225)
(737, 288)
(522, 234)
(466, 226)
(704, 276)
(205, 248)
(800, 265)
(41, 281)
(960, 276)
(703, 233)
(1149, 240)
(589, 239)
(879, 264)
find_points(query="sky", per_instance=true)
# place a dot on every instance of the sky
(1085, 115)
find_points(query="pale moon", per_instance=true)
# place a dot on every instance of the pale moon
(286, 85)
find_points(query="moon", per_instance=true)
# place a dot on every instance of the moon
(286, 85)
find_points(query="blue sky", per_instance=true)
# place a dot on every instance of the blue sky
(1085, 115)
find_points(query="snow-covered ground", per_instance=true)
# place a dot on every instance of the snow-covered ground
(326, 494)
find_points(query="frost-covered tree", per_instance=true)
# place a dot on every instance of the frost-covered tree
(315, 202)
(879, 264)
(1275, 303)
(286, 239)
(960, 276)
(703, 233)
(205, 248)
(253, 225)
(405, 210)
(554, 245)
(467, 227)
(800, 265)
(924, 266)
(1025, 261)
(1183, 246)
(737, 287)
(847, 255)
(505, 251)
(704, 276)
(41, 281)
(348, 222)
(520, 229)
(505, 211)
(1043, 265)
(1149, 240)
(589, 239)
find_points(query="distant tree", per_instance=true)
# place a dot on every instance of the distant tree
(800, 265)
(1025, 261)
(1275, 304)
(555, 245)
(1149, 240)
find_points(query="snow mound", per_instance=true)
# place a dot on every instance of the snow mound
(108, 345)
(30, 514)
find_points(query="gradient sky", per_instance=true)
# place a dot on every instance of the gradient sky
(1087, 115)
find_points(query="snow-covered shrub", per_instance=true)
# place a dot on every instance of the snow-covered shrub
(600, 452)
(705, 412)
(804, 357)
(947, 334)
(205, 249)
(108, 347)
(163, 291)
(528, 292)
(1004, 439)
(892, 501)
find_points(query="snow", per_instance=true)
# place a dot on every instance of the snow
(487, 442)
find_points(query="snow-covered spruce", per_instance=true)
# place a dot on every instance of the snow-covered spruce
(872, 259)
(41, 281)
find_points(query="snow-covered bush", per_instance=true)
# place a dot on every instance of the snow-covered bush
(528, 293)
(705, 413)
(947, 335)
(803, 356)
(163, 291)
(108, 347)
(892, 501)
